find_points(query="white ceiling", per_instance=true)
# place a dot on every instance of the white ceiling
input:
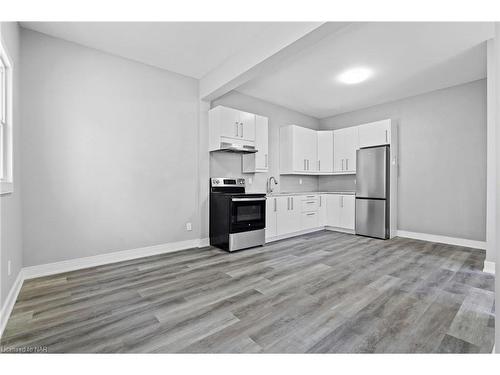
(189, 48)
(407, 59)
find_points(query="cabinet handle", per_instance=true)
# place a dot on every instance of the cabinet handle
(320, 201)
(265, 162)
(304, 164)
(342, 201)
(292, 202)
(307, 164)
(275, 209)
(342, 164)
(241, 129)
(236, 123)
(312, 213)
(308, 202)
(319, 165)
(288, 203)
(346, 164)
(386, 137)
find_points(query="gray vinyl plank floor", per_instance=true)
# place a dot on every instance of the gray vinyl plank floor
(324, 292)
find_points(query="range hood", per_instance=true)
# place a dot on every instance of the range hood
(236, 147)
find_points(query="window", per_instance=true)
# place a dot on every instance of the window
(6, 183)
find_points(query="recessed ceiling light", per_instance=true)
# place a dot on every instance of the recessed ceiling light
(355, 75)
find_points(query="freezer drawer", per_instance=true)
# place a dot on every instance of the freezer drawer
(372, 218)
(372, 172)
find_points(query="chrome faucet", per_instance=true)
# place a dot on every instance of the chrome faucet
(269, 185)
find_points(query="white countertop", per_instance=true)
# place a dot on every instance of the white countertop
(312, 193)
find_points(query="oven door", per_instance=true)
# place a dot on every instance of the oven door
(248, 214)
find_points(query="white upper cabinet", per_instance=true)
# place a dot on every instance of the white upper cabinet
(298, 150)
(345, 144)
(325, 151)
(230, 125)
(258, 162)
(375, 133)
(247, 126)
(229, 121)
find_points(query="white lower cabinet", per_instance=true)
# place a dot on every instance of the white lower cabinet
(340, 211)
(309, 220)
(347, 211)
(271, 207)
(286, 214)
(333, 210)
(322, 211)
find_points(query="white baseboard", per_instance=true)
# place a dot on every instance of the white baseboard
(10, 301)
(114, 257)
(443, 239)
(489, 267)
(341, 230)
(92, 261)
(294, 234)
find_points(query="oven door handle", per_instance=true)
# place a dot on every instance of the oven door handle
(247, 199)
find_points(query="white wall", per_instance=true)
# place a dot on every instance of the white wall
(442, 159)
(227, 164)
(109, 153)
(10, 204)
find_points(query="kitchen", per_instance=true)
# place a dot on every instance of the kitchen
(334, 196)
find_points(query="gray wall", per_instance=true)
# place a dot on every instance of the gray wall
(109, 153)
(226, 164)
(10, 204)
(442, 159)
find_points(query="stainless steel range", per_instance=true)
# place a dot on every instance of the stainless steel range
(237, 219)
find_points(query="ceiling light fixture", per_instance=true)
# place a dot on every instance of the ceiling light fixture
(355, 75)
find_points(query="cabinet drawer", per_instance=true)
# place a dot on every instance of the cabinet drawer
(309, 204)
(309, 220)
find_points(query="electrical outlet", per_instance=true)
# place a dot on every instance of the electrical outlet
(188, 226)
(300, 181)
(9, 270)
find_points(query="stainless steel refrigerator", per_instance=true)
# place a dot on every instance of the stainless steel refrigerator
(372, 191)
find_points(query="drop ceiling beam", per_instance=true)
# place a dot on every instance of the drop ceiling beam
(264, 55)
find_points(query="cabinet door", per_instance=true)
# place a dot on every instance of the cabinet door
(229, 122)
(247, 126)
(311, 152)
(295, 211)
(347, 211)
(309, 220)
(333, 210)
(375, 133)
(325, 151)
(299, 135)
(338, 150)
(284, 223)
(322, 211)
(271, 208)
(261, 143)
(345, 144)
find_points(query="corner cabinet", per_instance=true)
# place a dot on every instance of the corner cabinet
(325, 151)
(259, 161)
(345, 144)
(298, 150)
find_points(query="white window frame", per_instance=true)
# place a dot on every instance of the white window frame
(6, 122)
